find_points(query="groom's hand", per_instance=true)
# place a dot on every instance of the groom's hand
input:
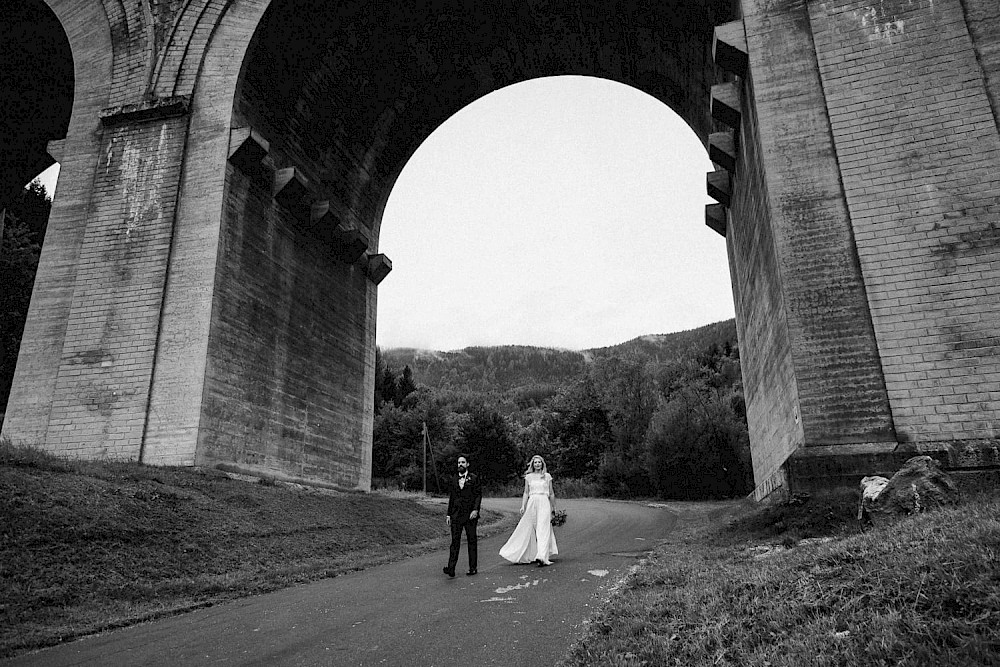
(447, 519)
(474, 515)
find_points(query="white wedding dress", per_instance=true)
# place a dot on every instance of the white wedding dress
(533, 538)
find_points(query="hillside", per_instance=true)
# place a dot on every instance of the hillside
(507, 367)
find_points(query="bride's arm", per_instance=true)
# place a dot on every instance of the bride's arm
(552, 495)
(524, 496)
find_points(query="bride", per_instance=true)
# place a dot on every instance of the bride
(533, 539)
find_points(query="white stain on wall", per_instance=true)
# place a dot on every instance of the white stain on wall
(884, 21)
(139, 192)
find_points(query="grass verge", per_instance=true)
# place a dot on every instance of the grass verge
(86, 546)
(796, 585)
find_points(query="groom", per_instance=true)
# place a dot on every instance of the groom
(464, 497)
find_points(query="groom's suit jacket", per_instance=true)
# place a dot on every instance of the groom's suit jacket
(461, 501)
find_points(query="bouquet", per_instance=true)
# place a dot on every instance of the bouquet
(558, 517)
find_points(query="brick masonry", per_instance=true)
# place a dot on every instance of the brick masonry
(919, 152)
(879, 131)
(101, 391)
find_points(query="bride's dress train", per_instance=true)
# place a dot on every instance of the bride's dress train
(533, 538)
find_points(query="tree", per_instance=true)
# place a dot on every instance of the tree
(486, 439)
(628, 397)
(23, 233)
(397, 440)
(405, 386)
(385, 382)
(580, 430)
(697, 442)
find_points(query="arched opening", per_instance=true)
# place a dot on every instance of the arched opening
(331, 102)
(36, 99)
(36, 92)
(560, 212)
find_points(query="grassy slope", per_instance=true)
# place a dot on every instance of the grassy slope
(91, 546)
(747, 590)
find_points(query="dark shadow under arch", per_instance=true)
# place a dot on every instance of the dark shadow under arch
(36, 91)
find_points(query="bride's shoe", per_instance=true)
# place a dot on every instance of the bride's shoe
(544, 563)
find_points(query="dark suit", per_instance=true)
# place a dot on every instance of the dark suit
(461, 503)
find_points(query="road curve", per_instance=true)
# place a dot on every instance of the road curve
(406, 613)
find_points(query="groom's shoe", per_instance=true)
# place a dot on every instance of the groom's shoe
(449, 572)
(471, 572)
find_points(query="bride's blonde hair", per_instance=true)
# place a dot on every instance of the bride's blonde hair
(531, 468)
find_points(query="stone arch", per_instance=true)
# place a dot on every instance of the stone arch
(330, 103)
(36, 91)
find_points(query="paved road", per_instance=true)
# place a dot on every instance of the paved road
(405, 613)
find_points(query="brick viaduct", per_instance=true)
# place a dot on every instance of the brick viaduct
(207, 288)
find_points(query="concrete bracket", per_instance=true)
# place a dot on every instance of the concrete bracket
(321, 218)
(719, 185)
(350, 245)
(56, 149)
(156, 109)
(246, 147)
(726, 103)
(715, 217)
(722, 150)
(378, 267)
(290, 187)
(729, 47)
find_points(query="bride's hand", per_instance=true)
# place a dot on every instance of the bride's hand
(522, 510)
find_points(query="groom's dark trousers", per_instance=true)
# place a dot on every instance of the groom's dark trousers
(461, 502)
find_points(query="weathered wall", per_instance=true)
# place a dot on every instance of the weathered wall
(102, 386)
(919, 167)
(878, 152)
(762, 325)
(285, 387)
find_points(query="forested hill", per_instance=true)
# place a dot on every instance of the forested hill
(507, 367)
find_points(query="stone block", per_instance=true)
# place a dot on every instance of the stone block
(729, 47)
(321, 218)
(349, 245)
(378, 267)
(722, 150)
(719, 186)
(247, 148)
(726, 104)
(715, 217)
(56, 149)
(290, 188)
(160, 108)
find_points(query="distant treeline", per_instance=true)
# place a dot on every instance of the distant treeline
(659, 415)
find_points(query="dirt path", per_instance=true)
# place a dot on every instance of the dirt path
(406, 613)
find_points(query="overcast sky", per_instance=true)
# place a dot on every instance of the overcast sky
(562, 212)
